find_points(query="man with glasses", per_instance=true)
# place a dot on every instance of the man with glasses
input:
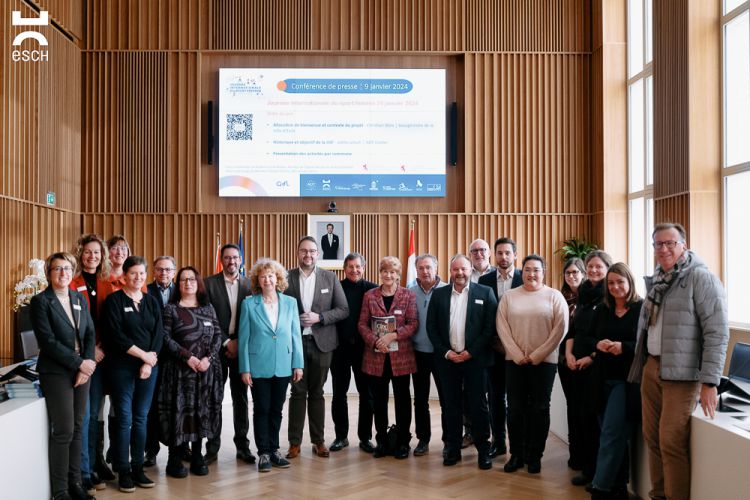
(479, 252)
(322, 303)
(226, 291)
(683, 334)
(161, 289)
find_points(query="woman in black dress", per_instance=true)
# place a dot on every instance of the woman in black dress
(191, 388)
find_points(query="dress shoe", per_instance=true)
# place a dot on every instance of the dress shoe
(467, 441)
(451, 459)
(293, 452)
(402, 452)
(379, 451)
(320, 450)
(246, 456)
(513, 464)
(88, 486)
(264, 463)
(77, 492)
(580, 479)
(210, 457)
(339, 444)
(278, 461)
(198, 466)
(484, 461)
(423, 448)
(497, 449)
(366, 446)
(534, 466)
(149, 460)
(141, 479)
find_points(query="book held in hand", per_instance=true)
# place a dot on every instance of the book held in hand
(383, 325)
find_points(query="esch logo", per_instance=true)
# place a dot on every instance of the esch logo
(30, 55)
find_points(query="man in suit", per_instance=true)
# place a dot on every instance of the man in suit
(226, 291)
(503, 278)
(330, 244)
(460, 325)
(162, 289)
(321, 303)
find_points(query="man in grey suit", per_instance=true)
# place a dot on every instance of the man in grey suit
(226, 291)
(322, 303)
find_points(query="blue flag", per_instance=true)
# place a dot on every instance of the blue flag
(241, 244)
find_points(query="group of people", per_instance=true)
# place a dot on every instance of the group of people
(163, 353)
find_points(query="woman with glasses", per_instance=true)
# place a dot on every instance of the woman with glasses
(191, 388)
(64, 331)
(134, 336)
(574, 274)
(531, 321)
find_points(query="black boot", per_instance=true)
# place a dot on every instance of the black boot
(198, 464)
(100, 466)
(174, 463)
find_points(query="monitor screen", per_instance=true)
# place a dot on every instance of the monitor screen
(332, 132)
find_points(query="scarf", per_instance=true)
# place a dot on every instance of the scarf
(663, 281)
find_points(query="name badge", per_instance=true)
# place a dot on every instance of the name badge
(325, 290)
(398, 311)
(478, 301)
(76, 307)
(207, 323)
(128, 309)
(81, 288)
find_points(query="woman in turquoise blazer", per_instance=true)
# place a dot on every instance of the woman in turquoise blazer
(270, 355)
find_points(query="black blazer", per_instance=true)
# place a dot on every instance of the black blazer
(480, 323)
(56, 335)
(219, 298)
(153, 290)
(490, 280)
(330, 251)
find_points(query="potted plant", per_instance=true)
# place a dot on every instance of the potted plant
(24, 290)
(575, 247)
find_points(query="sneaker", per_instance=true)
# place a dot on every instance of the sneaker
(278, 461)
(77, 492)
(141, 479)
(97, 481)
(264, 463)
(125, 482)
(88, 486)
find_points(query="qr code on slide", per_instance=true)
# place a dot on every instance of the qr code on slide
(240, 127)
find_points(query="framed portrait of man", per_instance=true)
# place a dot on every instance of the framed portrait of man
(332, 231)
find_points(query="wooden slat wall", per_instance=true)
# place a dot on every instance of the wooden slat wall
(67, 14)
(260, 25)
(388, 25)
(526, 127)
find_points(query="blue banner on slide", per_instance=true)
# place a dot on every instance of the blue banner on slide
(412, 185)
(345, 86)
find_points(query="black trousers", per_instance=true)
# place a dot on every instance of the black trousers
(575, 440)
(498, 409)
(468, 381)
(402, 399)
(529, 391)
(230, 369)
(347, 358)
(66, 406)
(583, 420)
(421, 382)
(269, 395)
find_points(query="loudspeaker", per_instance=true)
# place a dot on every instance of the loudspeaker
(453, 137)
(210, 132)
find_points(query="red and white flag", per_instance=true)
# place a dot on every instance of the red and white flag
(411, 264)
(218, 267)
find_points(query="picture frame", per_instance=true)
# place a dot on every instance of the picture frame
(332, 251)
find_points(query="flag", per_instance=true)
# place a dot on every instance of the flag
(219, 268)
(241, 244)
(411, 264)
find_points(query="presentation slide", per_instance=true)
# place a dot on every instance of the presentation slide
(332, 132)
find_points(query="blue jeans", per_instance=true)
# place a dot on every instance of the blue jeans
(612, 461)
(131, 397)
(85, 462)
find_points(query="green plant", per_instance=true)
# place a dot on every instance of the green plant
(575, 247)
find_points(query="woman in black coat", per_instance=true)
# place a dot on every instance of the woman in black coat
(64, 331)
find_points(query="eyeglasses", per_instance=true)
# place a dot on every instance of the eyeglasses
(62, 269)
(231, 257)
(121, 248)
(188, 280)
(572, 273)
(479, 250)
(670, 244)
(164, 269)
(307, 252)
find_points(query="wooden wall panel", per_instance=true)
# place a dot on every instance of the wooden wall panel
(527, 119)
(67, 14)
(388, 25)
(147, 24)
(260, 25)
(528, 25)
(126, 136)
(674, 208)
(27, 231)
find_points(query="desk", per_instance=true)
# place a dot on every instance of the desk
(23, 449)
